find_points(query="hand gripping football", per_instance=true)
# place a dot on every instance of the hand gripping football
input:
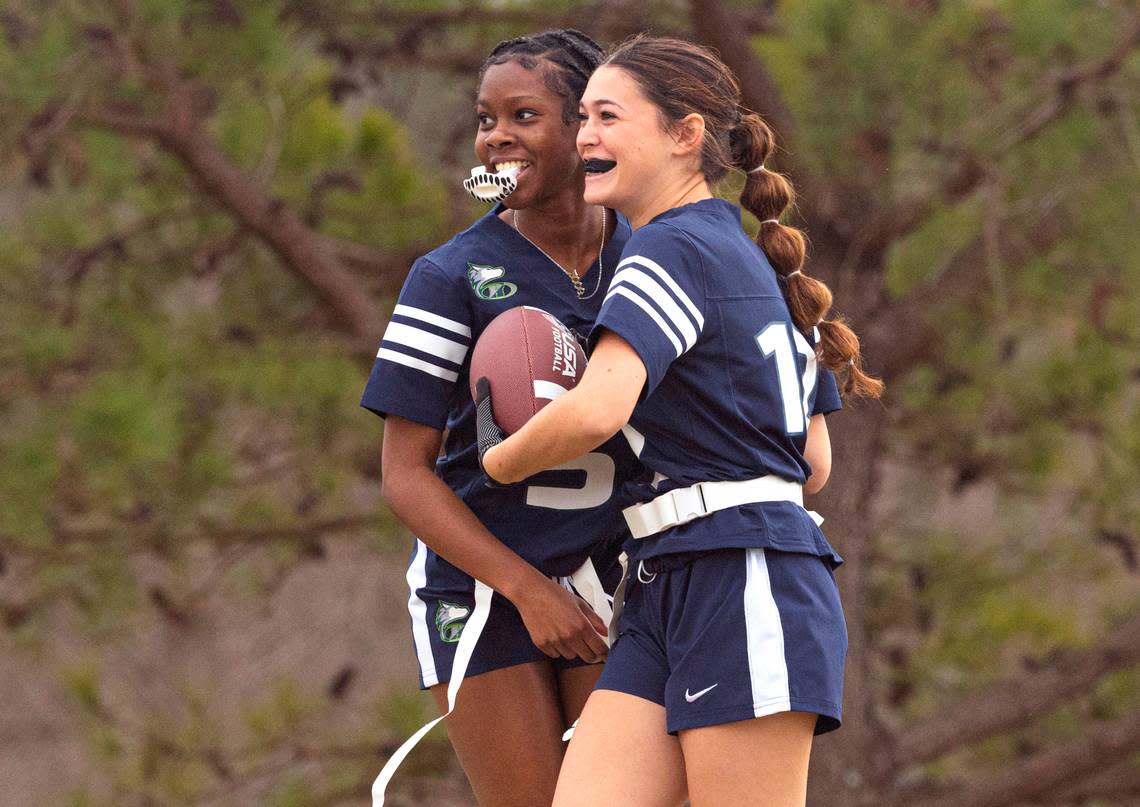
(530, 358)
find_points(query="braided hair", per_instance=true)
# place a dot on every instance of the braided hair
(680, 78)
(571, 55)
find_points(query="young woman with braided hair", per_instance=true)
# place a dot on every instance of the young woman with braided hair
(529, 654)
(717, 351)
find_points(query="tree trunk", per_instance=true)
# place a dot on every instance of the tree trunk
(840, 771)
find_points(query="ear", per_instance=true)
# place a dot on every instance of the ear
(690, 132)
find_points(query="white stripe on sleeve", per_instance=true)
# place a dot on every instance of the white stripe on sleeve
(433, 319)
(419, 364)
(655, 267)
(625, 291)
(767, 665)
(635, 277)
(425, 341)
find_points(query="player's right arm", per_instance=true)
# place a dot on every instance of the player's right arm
(558, 622)
(413, 384)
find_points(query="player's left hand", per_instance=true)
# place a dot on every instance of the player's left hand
(488, 433)
(562, 624)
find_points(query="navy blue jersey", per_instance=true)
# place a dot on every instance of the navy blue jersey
(558, 517)
(731, 381)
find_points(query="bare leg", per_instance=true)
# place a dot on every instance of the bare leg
(621, 754)
(763, 761)
(574, 687)
(507, 732)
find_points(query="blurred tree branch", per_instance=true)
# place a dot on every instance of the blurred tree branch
(964, 274)
(966, 176)
(1018, 701)
(1103, 744)
(305, 531)
(1120, 782)
(177, 130)
(315, 16)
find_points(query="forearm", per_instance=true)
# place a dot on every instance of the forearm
(577, 422)
(432, 511)
(563, 429)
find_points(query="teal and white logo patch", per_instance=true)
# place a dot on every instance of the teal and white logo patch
(485, 281)
(450, 619)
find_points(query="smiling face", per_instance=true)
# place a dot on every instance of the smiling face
(521, 121)
(622, 127)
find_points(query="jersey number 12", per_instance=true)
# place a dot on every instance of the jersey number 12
(783, 341)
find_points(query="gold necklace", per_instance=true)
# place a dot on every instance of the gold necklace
(575, 280)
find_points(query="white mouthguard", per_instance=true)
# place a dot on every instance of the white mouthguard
(490, 187)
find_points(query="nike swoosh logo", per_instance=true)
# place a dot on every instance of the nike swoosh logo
(695, 695)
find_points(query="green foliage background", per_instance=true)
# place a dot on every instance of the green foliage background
(168, 387)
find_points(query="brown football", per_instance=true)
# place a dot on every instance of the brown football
(530, 358)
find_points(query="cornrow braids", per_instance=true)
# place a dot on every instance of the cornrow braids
(572, 58)
(681, 78)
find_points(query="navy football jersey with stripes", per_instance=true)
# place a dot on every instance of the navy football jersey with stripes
(731, 381)
(555, 518)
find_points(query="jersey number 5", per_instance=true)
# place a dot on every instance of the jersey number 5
(599, 468)
(783, 341)
(595, 491)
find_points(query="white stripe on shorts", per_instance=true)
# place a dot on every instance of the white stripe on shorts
(767, 665)
(421, 627)
(463, 651)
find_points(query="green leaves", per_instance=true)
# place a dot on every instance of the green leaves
(170, 391)
(925, 254)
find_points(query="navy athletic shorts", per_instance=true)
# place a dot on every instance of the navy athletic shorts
(440, 612)
(731, 634)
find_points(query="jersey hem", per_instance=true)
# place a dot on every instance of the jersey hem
(561, 663)
(383, 411)
(734, 541)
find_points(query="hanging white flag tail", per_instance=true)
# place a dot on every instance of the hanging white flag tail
(589, 586)
(471, 633)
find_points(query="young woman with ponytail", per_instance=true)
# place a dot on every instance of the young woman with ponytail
(715, 355)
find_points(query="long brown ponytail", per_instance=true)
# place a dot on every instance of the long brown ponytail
(766, 195)
(681, 78)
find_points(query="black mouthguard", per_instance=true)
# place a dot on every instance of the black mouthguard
(598, 166)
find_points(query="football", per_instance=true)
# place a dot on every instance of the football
(530, 358)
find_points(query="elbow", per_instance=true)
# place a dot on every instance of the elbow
(593, 422)
(393, 484)
(818, 479)
(387, 491)
(599, 425)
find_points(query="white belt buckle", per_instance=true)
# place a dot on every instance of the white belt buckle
(662, 510)
(689, 503)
